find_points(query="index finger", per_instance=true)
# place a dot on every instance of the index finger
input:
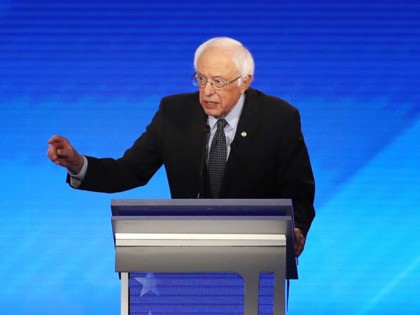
(54, 140)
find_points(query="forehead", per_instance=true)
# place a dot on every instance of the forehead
(216, 62)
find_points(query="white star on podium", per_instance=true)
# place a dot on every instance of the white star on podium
(149, 284)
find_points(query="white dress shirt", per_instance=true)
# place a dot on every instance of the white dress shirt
(232, 118)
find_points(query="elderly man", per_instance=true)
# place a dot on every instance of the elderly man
(226, 141)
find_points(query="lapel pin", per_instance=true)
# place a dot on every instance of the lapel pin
(243, 134)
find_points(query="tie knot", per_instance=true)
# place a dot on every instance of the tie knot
(221, 124)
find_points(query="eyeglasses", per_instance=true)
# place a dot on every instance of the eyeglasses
(217, 83)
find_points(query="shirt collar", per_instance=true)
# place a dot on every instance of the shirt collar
(232, 117)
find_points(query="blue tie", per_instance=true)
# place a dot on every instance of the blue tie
(217, 158)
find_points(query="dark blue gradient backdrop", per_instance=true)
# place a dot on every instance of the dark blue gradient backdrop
(94, 71)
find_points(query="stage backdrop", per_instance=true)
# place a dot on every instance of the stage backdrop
(94, 71)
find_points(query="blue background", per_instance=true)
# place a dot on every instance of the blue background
(94, 71)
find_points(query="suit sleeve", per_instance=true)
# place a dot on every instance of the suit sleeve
(295, 177)
(135, 168)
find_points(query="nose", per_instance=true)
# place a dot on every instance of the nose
(208, 89)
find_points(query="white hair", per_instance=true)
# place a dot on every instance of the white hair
(241, 56)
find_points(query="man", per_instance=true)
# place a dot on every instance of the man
(263, 151)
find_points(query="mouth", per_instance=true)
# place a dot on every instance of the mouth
(210, 104)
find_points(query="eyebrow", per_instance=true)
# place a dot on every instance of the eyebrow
(216, 76)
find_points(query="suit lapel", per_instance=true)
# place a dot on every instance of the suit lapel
(247, 127)
(248, 123)
(196, 137)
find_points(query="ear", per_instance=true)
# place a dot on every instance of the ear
(245, 83)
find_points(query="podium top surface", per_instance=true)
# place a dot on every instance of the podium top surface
(201, 207)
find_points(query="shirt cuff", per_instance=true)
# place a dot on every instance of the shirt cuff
(76, 179)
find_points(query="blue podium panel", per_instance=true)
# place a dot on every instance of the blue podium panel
(195, 293)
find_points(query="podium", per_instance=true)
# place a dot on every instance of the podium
(243, 236)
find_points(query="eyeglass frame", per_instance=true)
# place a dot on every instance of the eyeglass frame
(194, 79)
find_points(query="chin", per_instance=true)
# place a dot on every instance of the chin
(212, 112)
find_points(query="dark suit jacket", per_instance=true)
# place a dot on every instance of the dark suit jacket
(271, 161)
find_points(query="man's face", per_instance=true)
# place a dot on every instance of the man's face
(216, 63)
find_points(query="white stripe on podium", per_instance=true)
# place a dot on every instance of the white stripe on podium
(198, 239)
